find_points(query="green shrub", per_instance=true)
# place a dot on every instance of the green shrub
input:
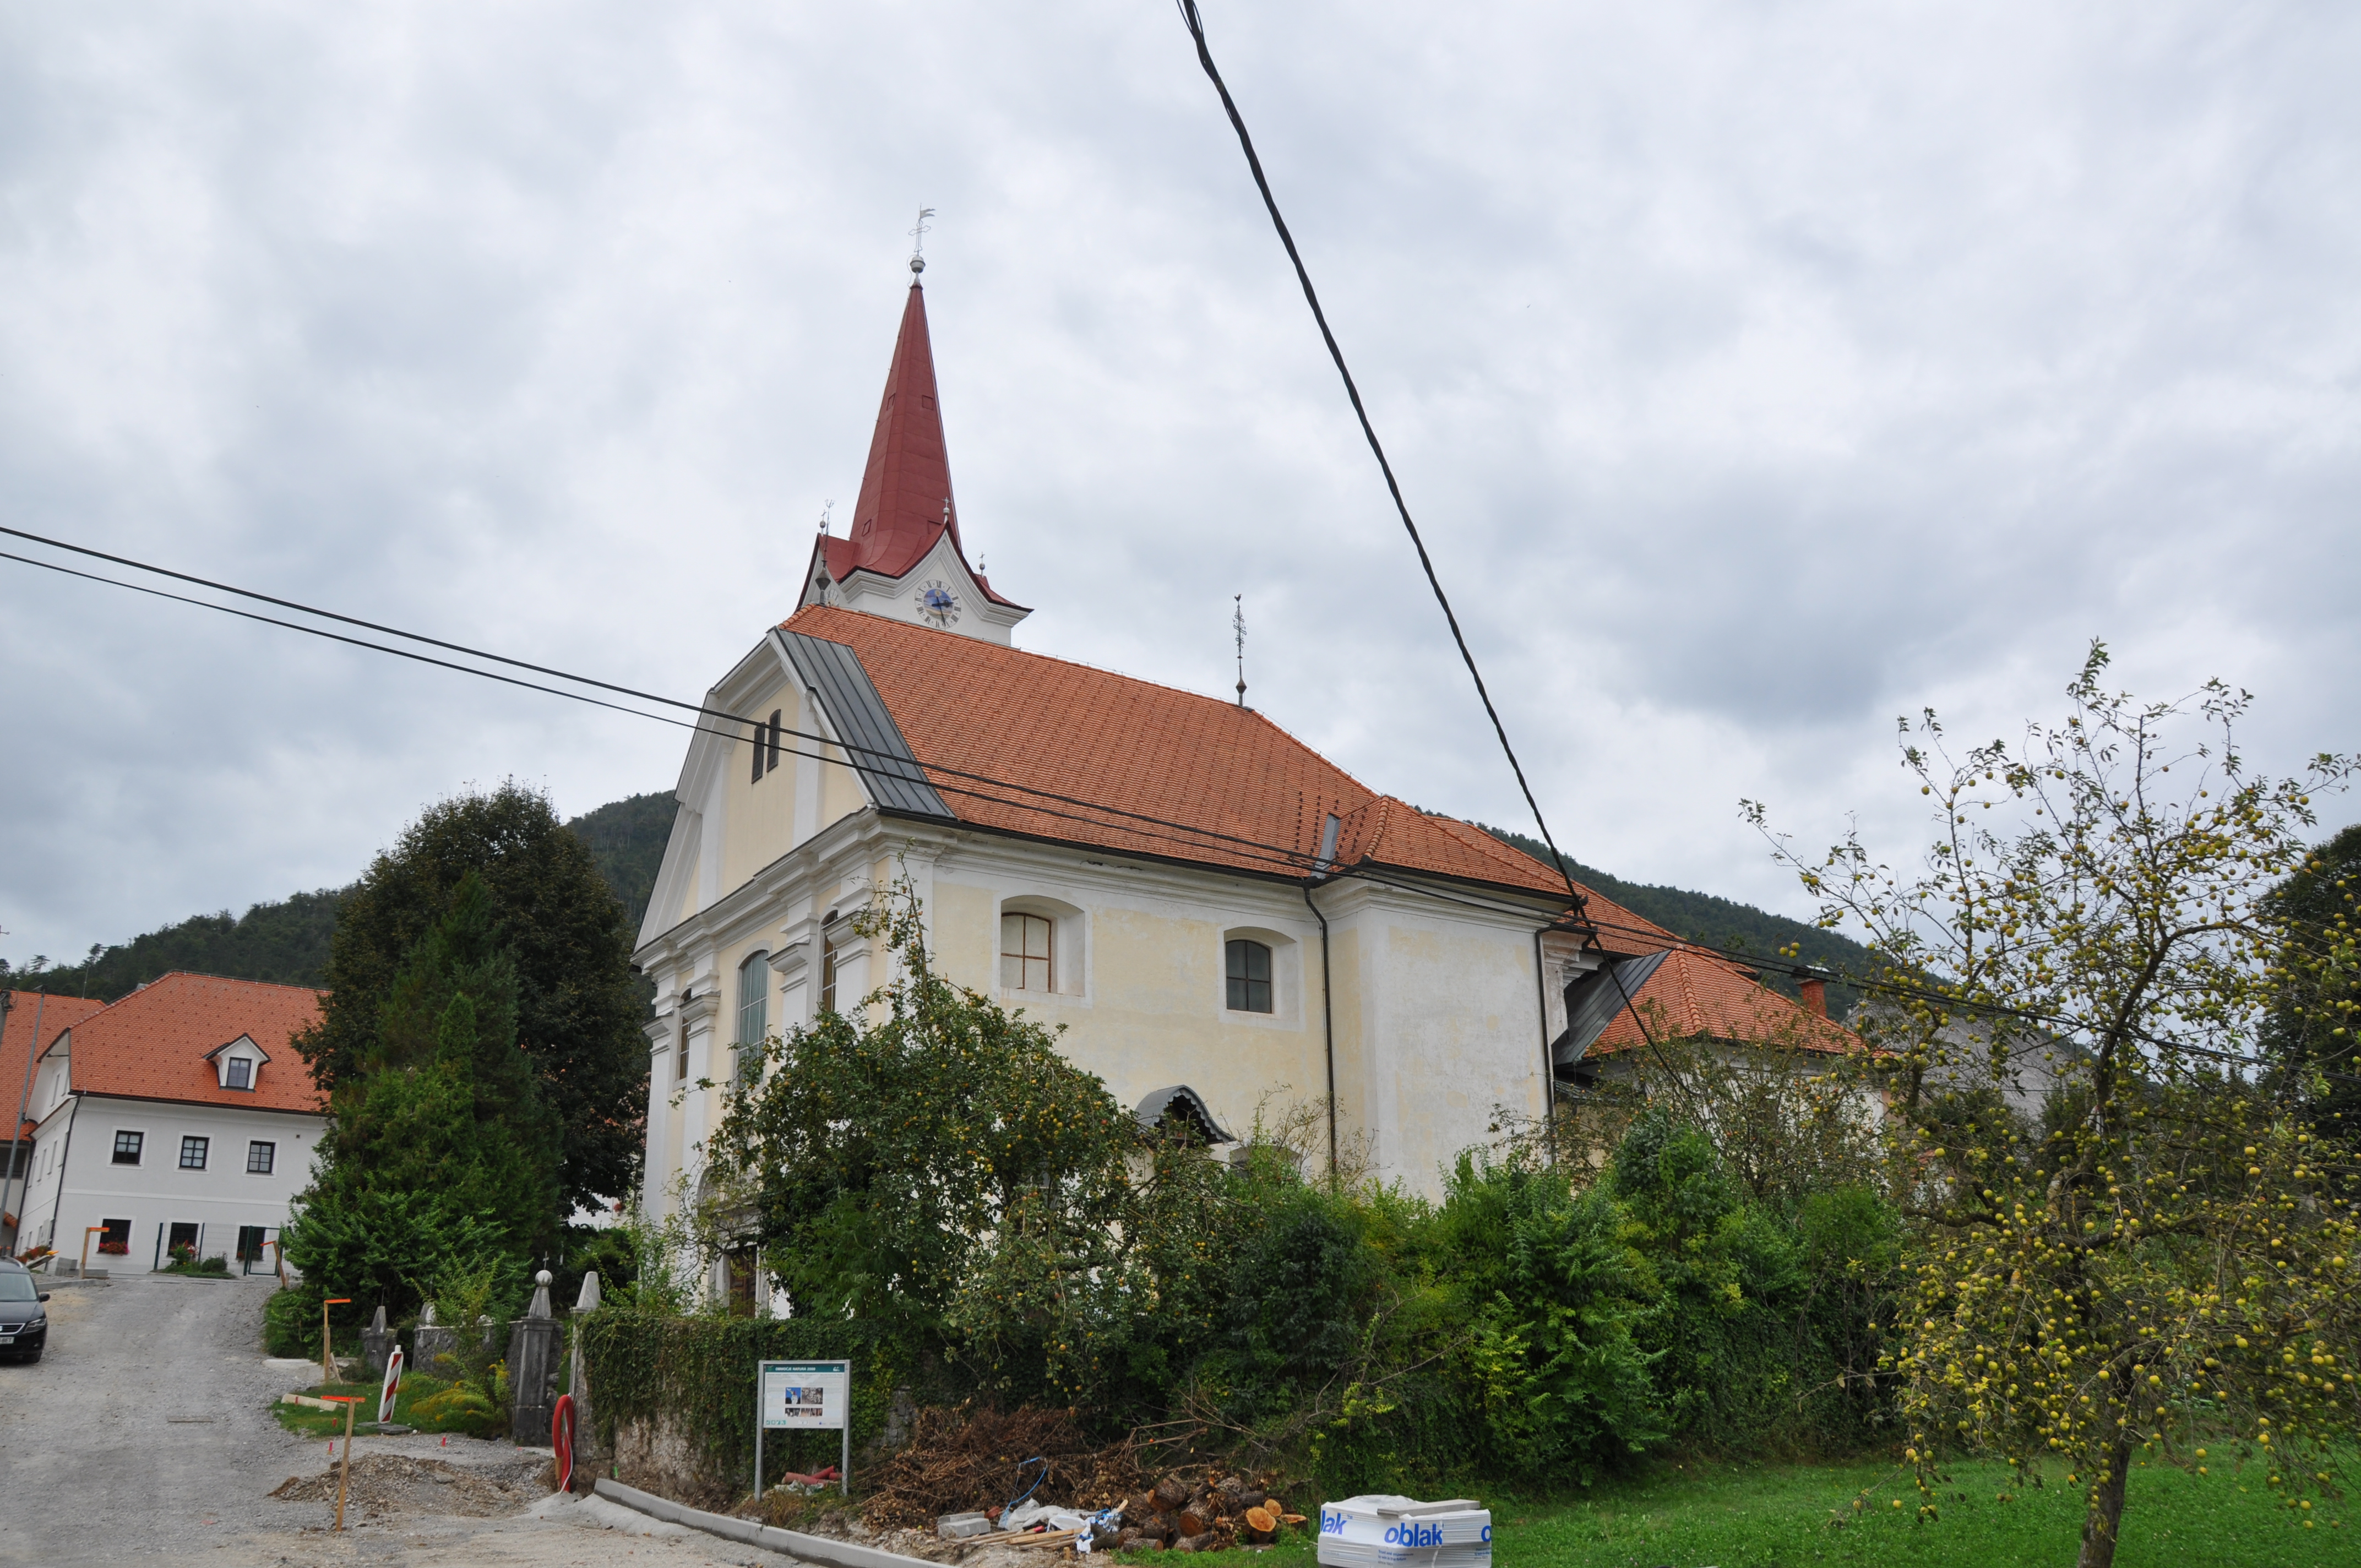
(459, 1409)
(291, 1322)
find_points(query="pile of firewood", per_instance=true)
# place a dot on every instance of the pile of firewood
(1207, 1513)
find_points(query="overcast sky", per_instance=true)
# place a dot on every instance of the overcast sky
(1758, 372)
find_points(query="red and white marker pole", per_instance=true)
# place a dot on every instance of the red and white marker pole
(392, 1387)
(561, 1438)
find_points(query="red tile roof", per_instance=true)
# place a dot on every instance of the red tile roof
(55, 1014)
(1695, 995)
(151, 1044)
(1250, 797)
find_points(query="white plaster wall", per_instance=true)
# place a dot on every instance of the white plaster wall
(89, 1187)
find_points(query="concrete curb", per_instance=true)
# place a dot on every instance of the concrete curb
(794, 1544)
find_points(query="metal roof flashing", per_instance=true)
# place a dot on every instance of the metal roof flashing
(832, 672)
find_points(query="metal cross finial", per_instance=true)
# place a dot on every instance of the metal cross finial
(1238, 629)
(919, 242)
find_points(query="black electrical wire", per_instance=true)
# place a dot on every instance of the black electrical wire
(1205, 58)
(331, 615)
(1280, 857)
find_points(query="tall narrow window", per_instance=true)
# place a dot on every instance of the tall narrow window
(1028, 957)
(753, 998)
(1248, 965)
(827, 975)
(765, 750)
(680, 1057)
(776, 729)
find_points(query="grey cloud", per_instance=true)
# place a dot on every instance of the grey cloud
(1757, 374)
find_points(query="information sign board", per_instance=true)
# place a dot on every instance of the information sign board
(812, 1395)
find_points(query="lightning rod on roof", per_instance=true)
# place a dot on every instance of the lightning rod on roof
(1238, 631)
(919, 242)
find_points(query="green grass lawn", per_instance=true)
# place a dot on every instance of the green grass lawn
(416, 1389)
(1780, 1517)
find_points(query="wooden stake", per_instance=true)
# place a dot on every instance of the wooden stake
(345, 1479)
(327, 1358)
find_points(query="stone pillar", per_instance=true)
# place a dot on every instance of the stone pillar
(586, 1454)
(429, 1343)
(377, 1343)
(533, 1369)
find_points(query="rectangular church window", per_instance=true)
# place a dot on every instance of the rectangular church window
(1026, 962)
(1248, 965)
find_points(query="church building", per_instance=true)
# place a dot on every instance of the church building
(1222, 919)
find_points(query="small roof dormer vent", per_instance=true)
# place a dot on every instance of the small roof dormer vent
(239, 1064)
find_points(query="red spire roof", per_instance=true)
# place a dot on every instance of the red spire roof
(907, 489)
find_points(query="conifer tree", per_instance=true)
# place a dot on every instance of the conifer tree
(446, 1120)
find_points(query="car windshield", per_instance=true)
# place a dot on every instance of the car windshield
(15, 1287)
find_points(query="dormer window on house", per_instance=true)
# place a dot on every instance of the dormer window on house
(238, 1063)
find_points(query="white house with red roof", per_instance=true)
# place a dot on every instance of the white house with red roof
(1220, 919)
(180, 1116)
(30, 1018)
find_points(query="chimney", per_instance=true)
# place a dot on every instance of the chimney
(1816, 995)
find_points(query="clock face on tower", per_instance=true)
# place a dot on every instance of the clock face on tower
(937, 606)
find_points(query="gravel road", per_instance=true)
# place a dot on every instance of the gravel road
(145, 1432)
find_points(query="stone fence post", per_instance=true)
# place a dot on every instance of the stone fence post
(430, 1341)
(532, 1368)
(377, 1343)
(586, 1430)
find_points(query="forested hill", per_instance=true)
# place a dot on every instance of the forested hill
(626, 838)
(287, 941)
(1720, 922)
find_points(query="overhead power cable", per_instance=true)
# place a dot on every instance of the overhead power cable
(1282, 860)
(1196, 26)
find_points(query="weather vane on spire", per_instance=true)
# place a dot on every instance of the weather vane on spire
(919, 242)
(1238, 629)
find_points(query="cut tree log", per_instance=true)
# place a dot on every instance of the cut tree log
(1170, 1493)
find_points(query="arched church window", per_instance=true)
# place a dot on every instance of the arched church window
(827, 975)
(753, 998)
(1027, 953)
(1248, 967)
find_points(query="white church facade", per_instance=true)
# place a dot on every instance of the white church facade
(1222, 920)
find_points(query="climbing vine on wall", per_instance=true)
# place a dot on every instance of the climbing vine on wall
(699, 1373)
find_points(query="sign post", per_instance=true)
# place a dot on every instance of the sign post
(327, 1361)
(804, 1396)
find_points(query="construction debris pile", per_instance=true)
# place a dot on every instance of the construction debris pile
(390, 1484)
(970, 1457)
(1028, 1480)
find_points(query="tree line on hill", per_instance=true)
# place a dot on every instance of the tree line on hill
(288, 940)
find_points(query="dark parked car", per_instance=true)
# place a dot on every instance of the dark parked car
(23, 1326)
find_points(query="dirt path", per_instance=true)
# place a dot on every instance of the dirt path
(145, 1432)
